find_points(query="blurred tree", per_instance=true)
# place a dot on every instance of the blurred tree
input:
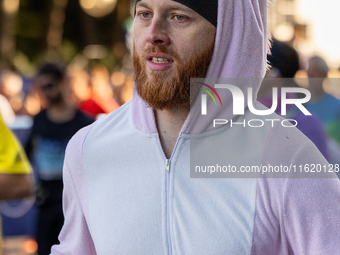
(32, 28)
(42, 29)
(8, 13)
(56, 27)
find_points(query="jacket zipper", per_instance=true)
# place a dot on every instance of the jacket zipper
(167, 167)
(167, 190)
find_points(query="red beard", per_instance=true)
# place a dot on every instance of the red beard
(162, 92)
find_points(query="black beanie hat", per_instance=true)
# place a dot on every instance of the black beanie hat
(206, 8)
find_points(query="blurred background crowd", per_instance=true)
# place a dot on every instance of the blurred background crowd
(65, 63)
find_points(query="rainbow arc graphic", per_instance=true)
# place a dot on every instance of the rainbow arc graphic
(209, 93)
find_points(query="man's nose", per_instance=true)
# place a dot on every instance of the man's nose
(158, 32)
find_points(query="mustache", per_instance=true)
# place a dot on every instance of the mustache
(161, 49)
(163, 91)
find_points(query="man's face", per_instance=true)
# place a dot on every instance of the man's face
(314, 71)
(50, 89)
(172, 43)
(316, 77)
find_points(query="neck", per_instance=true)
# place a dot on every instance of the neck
(61, 112)
(169, 124)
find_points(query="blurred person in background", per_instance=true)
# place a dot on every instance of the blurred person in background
(126, 91)
(80, 84)
(325, 106)
(6, 110)
(101, 100)
(52, 129)
(322, 104)
(11, 86)
(284, 62)
(15, 171)
(33, 103)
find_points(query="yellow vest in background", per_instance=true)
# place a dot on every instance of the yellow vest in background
(13, 159)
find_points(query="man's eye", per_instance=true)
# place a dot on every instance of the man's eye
(145, 15)
(180, 17)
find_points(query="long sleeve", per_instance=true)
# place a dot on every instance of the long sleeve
(75, 236)
(312, 225)
(298, 215)
(311, 209)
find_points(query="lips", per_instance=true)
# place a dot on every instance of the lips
(159, 61)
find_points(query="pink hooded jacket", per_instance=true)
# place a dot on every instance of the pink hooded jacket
(122, 196)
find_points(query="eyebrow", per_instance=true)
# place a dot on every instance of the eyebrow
(142, 4)
(171, 8)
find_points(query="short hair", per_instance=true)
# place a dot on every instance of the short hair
(58, 72)
(320, 64)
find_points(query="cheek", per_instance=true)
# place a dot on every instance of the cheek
(54, 91)
(196, 41)
(208, 38)
(138, 37)
(137, 44)
(195, 47)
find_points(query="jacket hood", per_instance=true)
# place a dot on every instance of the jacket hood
(240, 54)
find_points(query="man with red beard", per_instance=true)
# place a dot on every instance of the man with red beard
(127, 185)
(164, 62)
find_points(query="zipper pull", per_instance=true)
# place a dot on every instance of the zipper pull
(167, 165)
